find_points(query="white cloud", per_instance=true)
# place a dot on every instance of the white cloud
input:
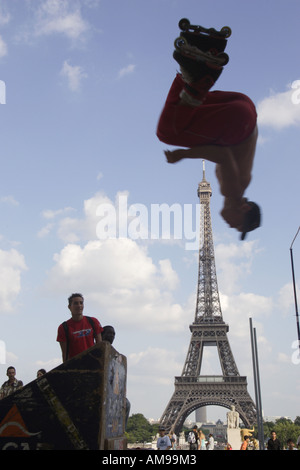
(4, 16)
(154, 365)
(9, 200)
(284, 358)
(74, 74)
(48, 365)
(280, 110)
(74, 229)
(129, 69)
(44, 231)
(120, 278)
(3, 48)
(237, 309)
(62, 17)
(12, 263)
(233, 263)
(51, 214)
(286, 303)
(117, 274)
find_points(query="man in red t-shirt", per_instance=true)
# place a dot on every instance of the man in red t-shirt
(79, 332)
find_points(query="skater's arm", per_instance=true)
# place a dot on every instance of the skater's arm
(233, 170)
(226, 167)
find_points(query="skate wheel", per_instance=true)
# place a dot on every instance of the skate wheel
(223, 57)
(226, 31)
(179, 42)
(184, 24)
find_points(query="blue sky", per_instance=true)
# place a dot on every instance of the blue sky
(85, 84)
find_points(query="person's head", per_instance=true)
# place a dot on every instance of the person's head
(162, 430)
(40, 372)
(76, 305)
(195, 427)
(11, 372)
(273, 435)
(246, 438)
(290, 444)
(108, 334)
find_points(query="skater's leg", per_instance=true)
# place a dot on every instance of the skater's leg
(243, 155)
(233, 163)
(224, 119)
(227, 168)
(233, 169)
(234, 209)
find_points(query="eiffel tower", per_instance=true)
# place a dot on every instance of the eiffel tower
(193, 390)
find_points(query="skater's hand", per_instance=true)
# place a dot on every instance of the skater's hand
(174, 156)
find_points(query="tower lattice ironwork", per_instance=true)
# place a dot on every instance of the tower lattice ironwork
(193, 390)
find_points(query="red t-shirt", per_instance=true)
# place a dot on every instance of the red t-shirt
(244, 445)
(81, 335)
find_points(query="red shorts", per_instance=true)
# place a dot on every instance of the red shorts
(225, 118)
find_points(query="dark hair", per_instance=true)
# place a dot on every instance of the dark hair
(107, 327)
(10, 367)
(106, 330)
(73, 296)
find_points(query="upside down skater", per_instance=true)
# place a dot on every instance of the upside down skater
(219, 126)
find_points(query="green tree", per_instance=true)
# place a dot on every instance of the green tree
(285, 429)
(297, 421)
(139, 429)
(268, 428)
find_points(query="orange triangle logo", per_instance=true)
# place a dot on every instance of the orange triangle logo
(13, 424)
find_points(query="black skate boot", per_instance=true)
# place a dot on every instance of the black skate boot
(200, 54)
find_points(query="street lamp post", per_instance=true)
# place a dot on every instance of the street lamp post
(260, 428)
(295, 289)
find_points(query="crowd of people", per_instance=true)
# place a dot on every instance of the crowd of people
(197, 440)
